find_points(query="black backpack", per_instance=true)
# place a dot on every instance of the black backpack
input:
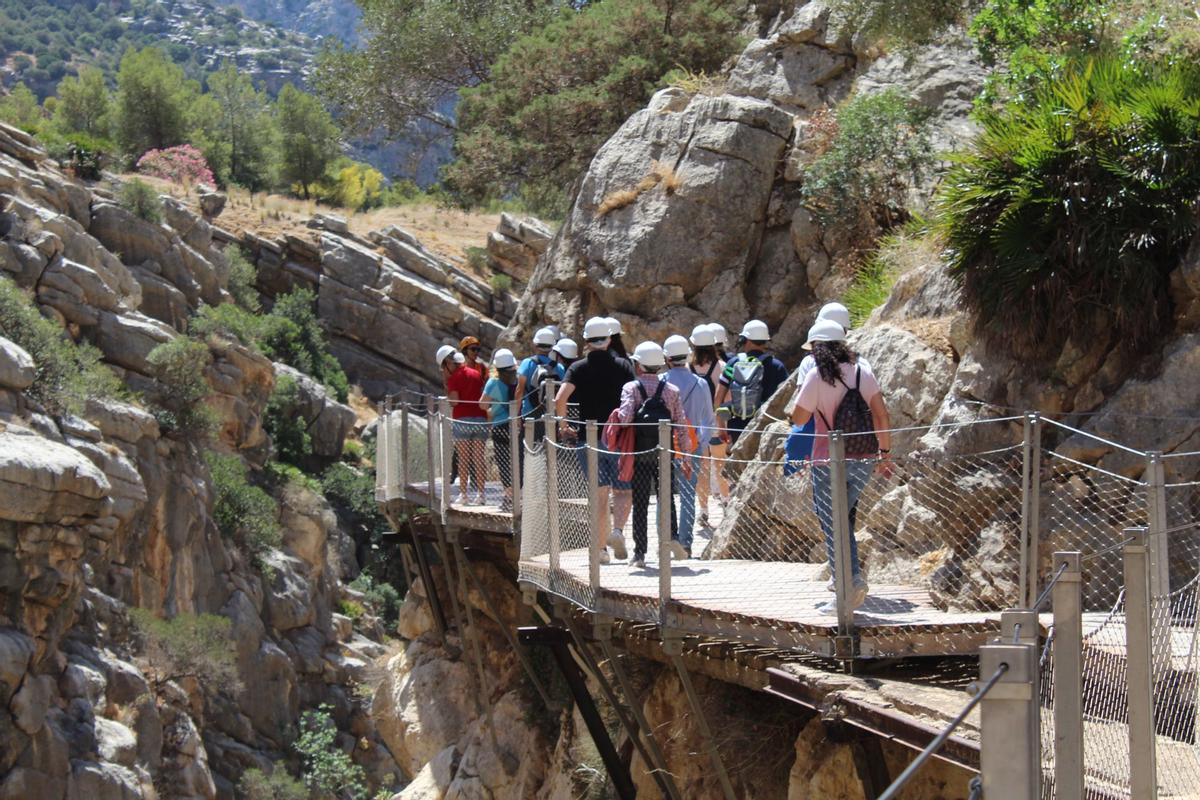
(853, 416)
(535, 388)
(652, 411)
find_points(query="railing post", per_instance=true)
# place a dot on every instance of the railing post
(843, 570)
(382, 476)
(595, 523)
(1010, 730)
(551, 389)
(552, 497)
(446, 426)
(1019, 626)
(1158, 553)
(1031, 508)
(665, 503)
(529, 438)
(1139, 670)
(516, 460)
(432, 430)
(1067, 599)
(404, 456)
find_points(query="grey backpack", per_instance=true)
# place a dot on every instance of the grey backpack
(745, 386)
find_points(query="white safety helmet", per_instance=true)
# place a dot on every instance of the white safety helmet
(755, 331)
(825, 330)
(703, 336)
(545, 336)
(597, 328)
(504, 359)
(649, 355)
(614, 326)
(836, 312)
(567, 348)
(676, 347)
(718, 332)
(555, 329)
(444, 352)
(459, 358)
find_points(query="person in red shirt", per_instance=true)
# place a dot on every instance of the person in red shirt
(464, 387)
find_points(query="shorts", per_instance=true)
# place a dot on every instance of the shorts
(608, 468)
(472, 429)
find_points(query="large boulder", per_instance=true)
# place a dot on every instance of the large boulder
(42, 481)
(16, 367)
(652, 237)
(327, 420)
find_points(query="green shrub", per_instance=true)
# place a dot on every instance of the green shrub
(354, 489)
(228, 320)
(301, 344)
(353, 451)
(188, 646)
(1073, 207)
(243, 512)
(285, 426)
(242, 277)
(381, 597)
(899, 22)
(66, 374)
(140, 199)
(872, 285)
(328, 770)
(179, 400)
(277, 785)
(867, 155)
(477, 258)
(352, 609)
(500, 282)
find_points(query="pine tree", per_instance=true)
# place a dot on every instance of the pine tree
(153, 98)
(84, 104)
(308, 138)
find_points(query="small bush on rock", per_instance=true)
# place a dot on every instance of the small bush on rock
(242, 276)
(66, 373)
(302, 344)
(243, 512)
(179, 366)
(284, 425)
(278, 785)
(188, 646)
(878, 144)
(140, 199)
(381, 597)
(328, 770)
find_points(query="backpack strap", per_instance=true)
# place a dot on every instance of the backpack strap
(659, 391)
(642, 389)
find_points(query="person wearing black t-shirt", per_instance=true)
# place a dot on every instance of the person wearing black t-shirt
(594, 383)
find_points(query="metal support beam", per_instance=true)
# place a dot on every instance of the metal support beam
(672, 646)
(871, 766)
(1010, 733)
(1067, 598)
(1139, 669)
(1035, 508)
(556, 639)
(435, 602)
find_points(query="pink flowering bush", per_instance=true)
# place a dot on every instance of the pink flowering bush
(180, 164)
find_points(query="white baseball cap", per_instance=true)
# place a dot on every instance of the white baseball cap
(756, 331)
(567, 348)
(504, 359)
(676, 347)
(649, 355)
(718, 331)
(825, 330)
(614, 326)
(836, 312)
(545, 336)
(597, 328)
(444, 352)
(703, 336)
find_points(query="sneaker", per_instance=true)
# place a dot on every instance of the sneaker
(678, 551)
(827, 608)
(860, 591)
(605, 558)
(616, 541)
(704, 519)
(639, 562)
(829, 587)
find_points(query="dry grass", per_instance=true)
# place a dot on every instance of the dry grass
(618, 199)
(698, 83)
(667, 176)
(447, 233)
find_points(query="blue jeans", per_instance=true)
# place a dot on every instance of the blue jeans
(685, 487)
(858, 473)
(799, 446)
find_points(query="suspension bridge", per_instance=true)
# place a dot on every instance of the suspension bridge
(1075, 586)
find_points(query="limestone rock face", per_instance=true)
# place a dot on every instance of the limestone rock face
(516, 244)
(16, 367)
(672, 257)
(328, 421)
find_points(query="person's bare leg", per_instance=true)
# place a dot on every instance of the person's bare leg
(479, 467)
(621, 505)
(464, 468)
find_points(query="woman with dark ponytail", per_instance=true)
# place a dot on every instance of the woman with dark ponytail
(843, 394)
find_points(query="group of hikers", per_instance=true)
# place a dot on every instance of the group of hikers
(707, 393)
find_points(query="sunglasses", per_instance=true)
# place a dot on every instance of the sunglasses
(543, 346)
(473, 349)
(597, 340)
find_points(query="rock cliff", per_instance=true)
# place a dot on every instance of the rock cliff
(104, 513)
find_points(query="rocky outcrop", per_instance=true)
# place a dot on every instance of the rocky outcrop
(387, 302)
(515, 246)
(327, 420)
